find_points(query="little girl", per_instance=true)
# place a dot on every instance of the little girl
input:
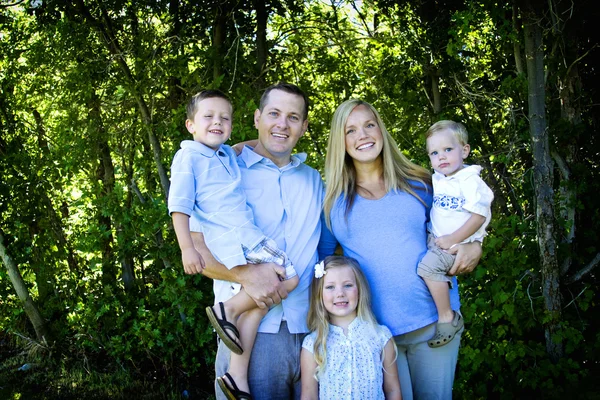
(347, 355)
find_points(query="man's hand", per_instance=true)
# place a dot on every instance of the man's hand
(262, 283)
(193, 263)
(467, 258)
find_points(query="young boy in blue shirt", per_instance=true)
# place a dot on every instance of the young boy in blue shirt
(205, 184)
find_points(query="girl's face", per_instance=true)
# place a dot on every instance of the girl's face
(340, 295)
(364, 141)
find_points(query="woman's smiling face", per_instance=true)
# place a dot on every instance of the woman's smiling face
(364, 140)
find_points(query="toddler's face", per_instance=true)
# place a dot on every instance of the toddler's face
(340, 295)
(446, 153)
(212, 122)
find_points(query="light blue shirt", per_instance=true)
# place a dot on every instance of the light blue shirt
(286, 203)
(388, 238)
(205, 183)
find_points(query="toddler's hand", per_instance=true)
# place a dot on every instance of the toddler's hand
(444, 242)
(193, 263)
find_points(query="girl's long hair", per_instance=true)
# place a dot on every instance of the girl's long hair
(340, 173)
(318, 318)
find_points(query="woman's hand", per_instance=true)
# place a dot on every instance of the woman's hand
(467, 258)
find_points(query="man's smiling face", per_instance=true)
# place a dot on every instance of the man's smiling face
(280, 124)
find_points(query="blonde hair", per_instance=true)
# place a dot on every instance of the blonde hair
(340, 173)
(458, 130)
(318, 318)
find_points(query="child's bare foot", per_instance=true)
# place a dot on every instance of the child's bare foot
(226, 330)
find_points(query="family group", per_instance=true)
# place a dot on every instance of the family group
(342, 290)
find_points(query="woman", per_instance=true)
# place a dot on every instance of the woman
(376, 207)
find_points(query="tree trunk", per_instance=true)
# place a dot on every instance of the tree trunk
(543, 176)
(261, 39)
(39, 325)
(435, 90)
(219, 32)
(516, 42)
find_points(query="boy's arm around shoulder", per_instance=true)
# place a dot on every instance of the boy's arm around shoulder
(260, 281)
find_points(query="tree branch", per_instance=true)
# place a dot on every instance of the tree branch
(584, 271)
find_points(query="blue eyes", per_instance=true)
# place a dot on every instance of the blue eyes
(347, 286)
(447, 150)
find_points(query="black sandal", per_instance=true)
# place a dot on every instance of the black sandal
(232, 393)
(221, 325)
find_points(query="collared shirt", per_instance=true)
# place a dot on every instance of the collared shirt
(354, 365)
(205, 183)
(286, 203)
(455, 197)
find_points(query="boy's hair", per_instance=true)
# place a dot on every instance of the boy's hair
(288, 88)
(399, 173)
(458, 130)
(192, 105)
(318, 317)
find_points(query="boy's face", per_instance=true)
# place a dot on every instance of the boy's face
(211, 125)
(446, 153)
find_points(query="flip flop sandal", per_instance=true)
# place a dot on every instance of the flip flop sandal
(232, 393)
(221, 325)
(445, 331)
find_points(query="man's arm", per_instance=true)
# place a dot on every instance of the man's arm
(260, 281)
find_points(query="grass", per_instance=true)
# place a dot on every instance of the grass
(65, 378)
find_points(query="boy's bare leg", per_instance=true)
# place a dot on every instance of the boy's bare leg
(247, 325)
(242, 302)
(441, 297)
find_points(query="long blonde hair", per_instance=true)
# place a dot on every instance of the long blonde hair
(318, 318)
(340, 173)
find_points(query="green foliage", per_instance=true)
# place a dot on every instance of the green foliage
(81, 200)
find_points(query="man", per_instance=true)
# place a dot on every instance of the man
(285, 196)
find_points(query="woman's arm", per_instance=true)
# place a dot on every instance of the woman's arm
(467, 258)
(327, 243)
(308, 366)
(391, 382)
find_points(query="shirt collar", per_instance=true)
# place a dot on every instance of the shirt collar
(466, 171)
(250, 158)
(199, 147)
(352, 326)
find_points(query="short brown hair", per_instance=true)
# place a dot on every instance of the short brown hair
(192, 105)
(288, 88)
